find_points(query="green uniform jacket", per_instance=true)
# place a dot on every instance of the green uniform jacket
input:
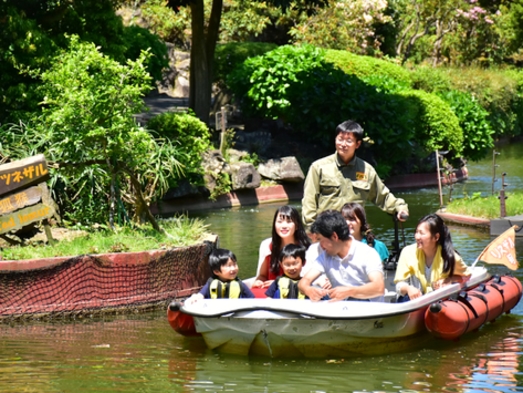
(330, 184)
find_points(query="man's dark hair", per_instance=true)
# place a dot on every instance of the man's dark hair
(329, 222)
(220, 257)
(293, 251)
(350, 126)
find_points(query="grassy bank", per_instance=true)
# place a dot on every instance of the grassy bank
(487, 207)
(182, 232)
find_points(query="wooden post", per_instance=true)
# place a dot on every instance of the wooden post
(439, 180)
(48, 232)
(502, 197)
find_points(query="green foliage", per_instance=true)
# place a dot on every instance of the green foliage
(223, 185)
(182, 231)
(31, 33)
(170, 26)
(191, 136)
(264, 81)
(377, 72)
(355, 24)
(23, 45)
(297, 84)
(244, 20)
(87, 128)
(473, 120)
(437, 127)
(496, 91)
(486, 207)
(228, 56)
(138, 39)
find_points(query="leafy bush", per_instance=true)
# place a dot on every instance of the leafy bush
(191, 136)
(437, 127)
(169, 25)
(138, 39)
(498, 91)
(311, 94)
(106, 163)
(264, 81)
(228, 56)
(473, 120)
(371, 69)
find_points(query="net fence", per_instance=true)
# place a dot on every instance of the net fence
(98, 283)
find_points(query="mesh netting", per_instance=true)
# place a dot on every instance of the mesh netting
(90, 283)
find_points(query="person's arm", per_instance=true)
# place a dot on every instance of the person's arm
(374, 288)
(404, 288)
(262, 273)
(311, 189)
(204, 292)
(461, 274)
(305, 285)
(404, 271)
(381, 196)
(262, 276)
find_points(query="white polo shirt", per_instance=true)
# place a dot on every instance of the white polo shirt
(353, 269)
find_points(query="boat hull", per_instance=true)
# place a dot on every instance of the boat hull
(301, 328)
(278, 335)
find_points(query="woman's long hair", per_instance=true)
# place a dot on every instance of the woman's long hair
(436, 225)
(353, 210)
(300, 236)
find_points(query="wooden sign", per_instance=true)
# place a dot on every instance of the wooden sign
(23, 173)
(25, 216)
(27, 197)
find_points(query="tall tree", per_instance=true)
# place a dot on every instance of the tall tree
(204, 37)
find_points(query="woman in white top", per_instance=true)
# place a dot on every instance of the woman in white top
(287, 228)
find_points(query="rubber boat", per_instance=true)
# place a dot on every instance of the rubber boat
(288, 328)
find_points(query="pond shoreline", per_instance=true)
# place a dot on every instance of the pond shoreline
(286, 192)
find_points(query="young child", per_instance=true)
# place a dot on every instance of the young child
(291, 260)
(224, 282)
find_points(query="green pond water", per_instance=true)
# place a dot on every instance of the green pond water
(141, 353)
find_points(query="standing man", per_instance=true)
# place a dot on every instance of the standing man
(342, 177)
(353, 268)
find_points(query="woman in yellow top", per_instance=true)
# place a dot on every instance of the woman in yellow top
(430, 263)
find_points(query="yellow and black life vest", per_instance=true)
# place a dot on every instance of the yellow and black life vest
(289, 288)
(225, 290)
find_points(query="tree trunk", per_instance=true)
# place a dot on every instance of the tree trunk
(202, 57)
(200, 82)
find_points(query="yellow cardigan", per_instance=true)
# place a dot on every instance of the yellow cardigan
(412, 263)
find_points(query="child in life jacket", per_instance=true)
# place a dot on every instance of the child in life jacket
(291, 259)
(224, 282)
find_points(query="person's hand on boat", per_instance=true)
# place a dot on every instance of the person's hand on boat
(339, 293)
(315, 293)
(262, 284)
(323, 282)
(193, 299)
(413, 292)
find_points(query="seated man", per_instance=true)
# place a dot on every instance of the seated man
(354, 269)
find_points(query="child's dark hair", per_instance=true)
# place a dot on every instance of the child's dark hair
(292, 251)
(220, 257)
